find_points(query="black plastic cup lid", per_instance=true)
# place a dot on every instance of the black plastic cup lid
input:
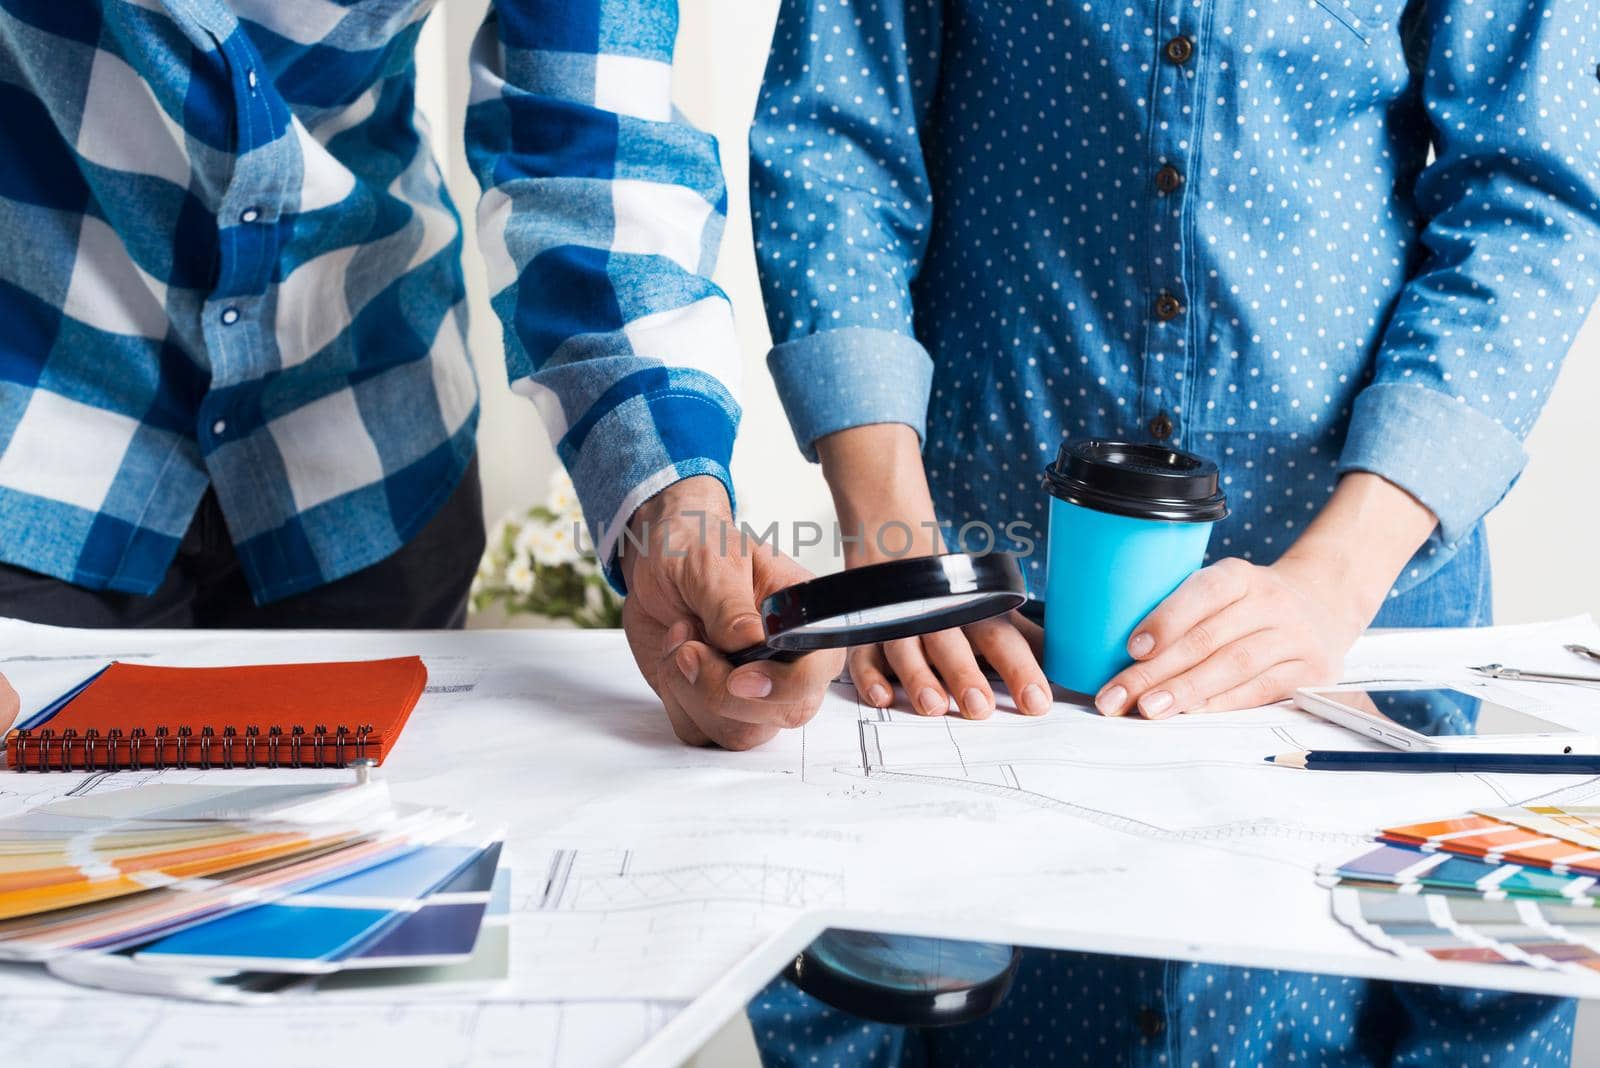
(1138, 480)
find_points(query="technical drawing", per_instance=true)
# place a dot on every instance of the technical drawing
(607, 881)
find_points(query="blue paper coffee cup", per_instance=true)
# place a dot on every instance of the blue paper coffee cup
(1128, 523)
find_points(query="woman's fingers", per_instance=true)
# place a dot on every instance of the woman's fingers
(1130, 686)
(1008, 651)
(1274, 684)
(1030, 631)
(869, 673)
(951, 654)
(1231, 667)
(1199, 597)
(922, 686)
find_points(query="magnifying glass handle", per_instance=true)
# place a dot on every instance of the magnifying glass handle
(763, 651)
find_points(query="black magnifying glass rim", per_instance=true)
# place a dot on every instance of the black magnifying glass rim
(788, 612)
(897, 1006)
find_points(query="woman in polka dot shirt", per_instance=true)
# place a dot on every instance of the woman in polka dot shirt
(1339, 246)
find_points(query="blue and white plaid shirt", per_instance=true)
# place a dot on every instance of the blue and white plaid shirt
(231, 260)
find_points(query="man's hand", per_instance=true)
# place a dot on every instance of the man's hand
(10, 704)
(1235, 635)
(880, 491)
(693, 591)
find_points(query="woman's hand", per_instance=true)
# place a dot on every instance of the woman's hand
(1233, 635)
(1236, 635)
(881, 494)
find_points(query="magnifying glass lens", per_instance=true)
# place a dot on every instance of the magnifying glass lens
(903, 612)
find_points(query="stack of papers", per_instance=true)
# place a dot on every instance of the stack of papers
(239, 893)
(1501, 886)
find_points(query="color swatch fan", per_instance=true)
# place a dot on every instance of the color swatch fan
(246, 892)
(1499, 886)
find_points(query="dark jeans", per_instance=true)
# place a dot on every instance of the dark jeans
(423, 585)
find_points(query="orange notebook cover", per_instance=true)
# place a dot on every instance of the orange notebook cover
(268, 715)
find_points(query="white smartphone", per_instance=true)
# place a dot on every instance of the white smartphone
(1440, 719)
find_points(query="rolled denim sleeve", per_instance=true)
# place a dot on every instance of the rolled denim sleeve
(851, 377)
(1511, 228)
(600, 222)
(842, 208)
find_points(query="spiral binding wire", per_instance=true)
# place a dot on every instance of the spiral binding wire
(45, 750)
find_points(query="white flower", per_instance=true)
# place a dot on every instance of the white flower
(525, 543)
(563, 497)
(552, 544)
(519, 575)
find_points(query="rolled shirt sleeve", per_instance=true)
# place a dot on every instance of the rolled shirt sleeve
(600, 221)
(1512, 264)
(841, 208)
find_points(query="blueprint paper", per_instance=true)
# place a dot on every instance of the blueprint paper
(643, 868)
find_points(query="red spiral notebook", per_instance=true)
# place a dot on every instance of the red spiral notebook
(139, 716)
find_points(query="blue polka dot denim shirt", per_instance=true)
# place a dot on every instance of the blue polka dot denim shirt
(1299, 237)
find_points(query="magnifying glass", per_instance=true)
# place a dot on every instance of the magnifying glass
(905, 980)
(882, 602)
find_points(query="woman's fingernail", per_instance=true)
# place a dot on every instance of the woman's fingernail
(1034, 700)
(1141, 644)
(878, 695)
(689, 664)
(1110, 701)
(931, 703)
(1156, 704)
(677, 634)
(975, 702)
(749, 684)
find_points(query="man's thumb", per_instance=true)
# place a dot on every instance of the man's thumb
(725, 603)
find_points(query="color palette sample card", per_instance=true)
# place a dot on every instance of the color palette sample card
(1514, 886)
(220, 892)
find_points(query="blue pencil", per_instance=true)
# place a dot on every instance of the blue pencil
(1506, 763)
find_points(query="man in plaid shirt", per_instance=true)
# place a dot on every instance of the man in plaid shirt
(234, 389)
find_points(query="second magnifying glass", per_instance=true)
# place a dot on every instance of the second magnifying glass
(882, 602)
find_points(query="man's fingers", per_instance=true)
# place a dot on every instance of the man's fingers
(683, 724)
(1008, 651)
(694, 688)
(10, 703)
(869, 673)
(1200, 596)
(775, 682)
(702, 682)
(952, 656)
(922, 686)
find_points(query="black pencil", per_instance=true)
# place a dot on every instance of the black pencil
(1506, 763)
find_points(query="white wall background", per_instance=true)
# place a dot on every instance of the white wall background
(1544, 536)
